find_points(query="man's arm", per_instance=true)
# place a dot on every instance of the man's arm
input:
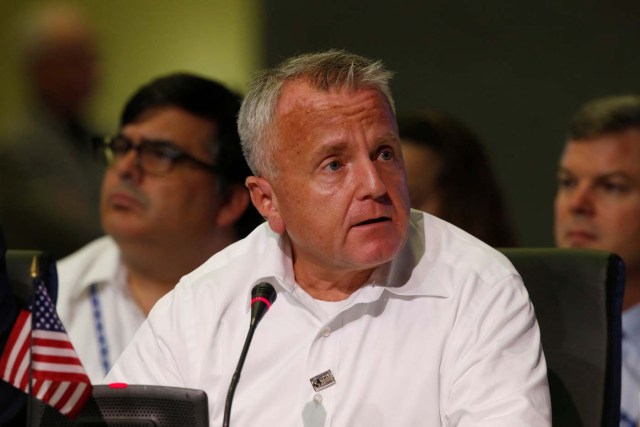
(498, 371)
(158, 350)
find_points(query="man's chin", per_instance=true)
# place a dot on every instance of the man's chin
(372, 256)
(126, 232)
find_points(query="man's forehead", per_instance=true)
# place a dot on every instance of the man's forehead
(301, 96)
(170, 123)
(619, 143)
(606, 154)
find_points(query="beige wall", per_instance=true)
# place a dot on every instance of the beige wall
(141, 39)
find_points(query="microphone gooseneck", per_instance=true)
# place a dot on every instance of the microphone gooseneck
(263, 296)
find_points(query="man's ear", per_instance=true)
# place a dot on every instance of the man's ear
(236, 203)
(266, 202)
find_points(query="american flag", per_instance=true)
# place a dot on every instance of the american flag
(56, 375)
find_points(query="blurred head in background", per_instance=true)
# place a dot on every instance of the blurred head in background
(176, 170)
(60, 58)
(450, 176)
(597, 203)
(45, 152)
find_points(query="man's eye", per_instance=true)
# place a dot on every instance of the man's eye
(333, 166)
(566, 182)
(161, 151)
(614, 187)
(120, 146)
(386, 155)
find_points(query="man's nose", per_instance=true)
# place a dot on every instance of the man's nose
(371, 185)
(129, 165)
(581, 200)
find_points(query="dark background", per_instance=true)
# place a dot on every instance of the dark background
(512, 71)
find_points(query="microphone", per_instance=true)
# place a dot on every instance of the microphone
(262, 297)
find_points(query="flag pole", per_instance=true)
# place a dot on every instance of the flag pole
(35, 272)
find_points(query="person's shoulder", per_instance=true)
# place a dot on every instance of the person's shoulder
(89, 252)
(452, 248)
(88, 264)
(239, 263)
(224, 280)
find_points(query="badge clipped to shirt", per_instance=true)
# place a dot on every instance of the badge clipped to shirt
(323, 380)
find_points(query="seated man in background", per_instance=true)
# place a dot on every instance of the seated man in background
(450, 176)
(173, 195)
(383, 316)
(597, 206)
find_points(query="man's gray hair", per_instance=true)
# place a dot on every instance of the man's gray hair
(324, 71)
(606, 115)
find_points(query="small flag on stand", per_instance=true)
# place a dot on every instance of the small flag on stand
(40, 360)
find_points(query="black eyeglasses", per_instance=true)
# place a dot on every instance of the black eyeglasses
(154, 157)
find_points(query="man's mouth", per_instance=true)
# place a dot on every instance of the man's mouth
(580, 236)
(374, 221)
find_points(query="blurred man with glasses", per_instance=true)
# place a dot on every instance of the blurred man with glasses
(172, 196)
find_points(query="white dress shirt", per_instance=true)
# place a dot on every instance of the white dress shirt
(630, 387)
(444, 334)
(97, 263)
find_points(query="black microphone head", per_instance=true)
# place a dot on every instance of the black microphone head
(262, 296)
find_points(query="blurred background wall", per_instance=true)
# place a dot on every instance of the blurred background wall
(511, 71)
(141, 39)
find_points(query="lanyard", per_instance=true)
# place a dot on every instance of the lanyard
(99, 325)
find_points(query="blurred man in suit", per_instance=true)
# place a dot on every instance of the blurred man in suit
(597, 206)
(49, 187)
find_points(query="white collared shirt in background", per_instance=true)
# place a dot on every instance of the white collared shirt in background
(96, 263)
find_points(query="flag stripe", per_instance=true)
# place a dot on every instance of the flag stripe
(57, 367)
(57, 395)
(83, 391)
(38, 357)
(59, 376)
(43, 387)
(68, 398)
(54, 360)
(22, 372)
(49, 351)
(54, 340)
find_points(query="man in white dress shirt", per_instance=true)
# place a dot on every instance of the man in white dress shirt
(384, 316)
(173, 194)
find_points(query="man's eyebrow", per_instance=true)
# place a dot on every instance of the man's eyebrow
(604, 175)
(338, 146)
(159, 140)
(562, 169)
(331, 147)
(388, 138)
(615, 174)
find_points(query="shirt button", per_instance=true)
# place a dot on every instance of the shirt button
(318, 399)
(326, 331)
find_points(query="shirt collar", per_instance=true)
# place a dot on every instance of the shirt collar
(106, 267)
(406, 274)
